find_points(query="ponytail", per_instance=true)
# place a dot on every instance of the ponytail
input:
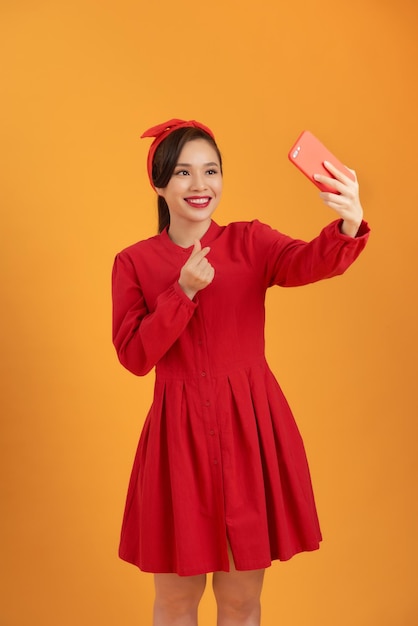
(163, 214)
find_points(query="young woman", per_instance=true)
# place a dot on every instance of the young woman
(220, 481)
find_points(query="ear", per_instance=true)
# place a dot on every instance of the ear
(160, 191)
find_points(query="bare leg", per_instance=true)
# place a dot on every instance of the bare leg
(238, 596)
(177, 599)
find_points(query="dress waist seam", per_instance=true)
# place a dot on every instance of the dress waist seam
(213, 372)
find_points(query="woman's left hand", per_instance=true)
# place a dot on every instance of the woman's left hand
(345, 201)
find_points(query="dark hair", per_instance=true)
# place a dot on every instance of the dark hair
(165, 161)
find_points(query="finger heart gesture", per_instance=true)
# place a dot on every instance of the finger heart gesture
(197, 273)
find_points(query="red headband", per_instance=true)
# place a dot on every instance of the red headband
(162, 131)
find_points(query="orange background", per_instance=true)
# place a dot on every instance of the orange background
(80, 81)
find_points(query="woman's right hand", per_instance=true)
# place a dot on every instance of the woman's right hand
(197, 273)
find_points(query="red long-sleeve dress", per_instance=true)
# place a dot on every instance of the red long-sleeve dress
(220, 458)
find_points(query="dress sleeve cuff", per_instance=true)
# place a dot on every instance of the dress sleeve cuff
(363, 231)
(182, 296)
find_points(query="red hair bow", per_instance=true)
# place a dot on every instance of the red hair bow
(162, 131)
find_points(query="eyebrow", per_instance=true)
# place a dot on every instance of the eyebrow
(190, 165)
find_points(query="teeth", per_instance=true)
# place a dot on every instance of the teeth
(198, 200)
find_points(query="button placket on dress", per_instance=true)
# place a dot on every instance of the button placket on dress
(205, 387)
(211, 427)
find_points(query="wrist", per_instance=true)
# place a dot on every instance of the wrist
(350, 229)
(190, 293)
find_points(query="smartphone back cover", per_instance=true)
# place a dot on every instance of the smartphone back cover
(309, 154)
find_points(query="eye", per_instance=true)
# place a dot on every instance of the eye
(212, 172)
(181, 173)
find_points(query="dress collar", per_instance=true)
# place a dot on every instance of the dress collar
(212, 233)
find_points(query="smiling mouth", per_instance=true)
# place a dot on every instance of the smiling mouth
(199, 201)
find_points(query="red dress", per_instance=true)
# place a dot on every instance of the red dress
(220, 457)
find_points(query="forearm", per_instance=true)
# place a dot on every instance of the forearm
(142, 336)
(329, 254)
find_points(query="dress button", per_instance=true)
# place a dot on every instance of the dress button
(203, 373)
(206, 403)
(215, 462)
(211, 432)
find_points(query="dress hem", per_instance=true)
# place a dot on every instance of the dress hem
(240, 567)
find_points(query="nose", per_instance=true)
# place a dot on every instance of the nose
(198, 182)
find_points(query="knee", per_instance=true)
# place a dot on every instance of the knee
(238, 608)
(178, 601)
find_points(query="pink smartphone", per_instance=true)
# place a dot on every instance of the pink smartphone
(309, 154)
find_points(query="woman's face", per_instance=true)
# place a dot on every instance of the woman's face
(195, 187)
